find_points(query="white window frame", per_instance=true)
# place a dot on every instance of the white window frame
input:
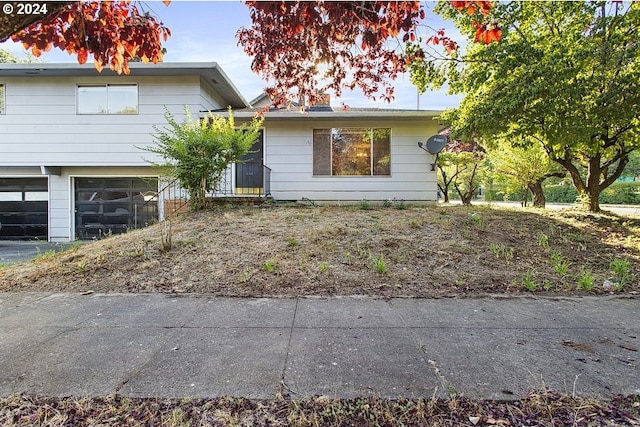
(106, 88)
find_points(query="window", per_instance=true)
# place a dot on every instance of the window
(1, 99)
(351, 152)
(108, 99)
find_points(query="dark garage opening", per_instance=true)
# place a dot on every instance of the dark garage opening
(107, 206)
(24, 207)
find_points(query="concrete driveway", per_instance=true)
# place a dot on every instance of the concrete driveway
(12, 251)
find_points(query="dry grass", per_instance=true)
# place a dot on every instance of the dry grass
(291, 251)
(540, 408)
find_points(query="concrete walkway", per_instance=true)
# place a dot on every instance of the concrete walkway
(151, 345)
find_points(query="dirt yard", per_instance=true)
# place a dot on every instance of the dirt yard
(396, 251)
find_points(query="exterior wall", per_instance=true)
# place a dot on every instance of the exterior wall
(209, 99)
(289, 154)
(41, 127)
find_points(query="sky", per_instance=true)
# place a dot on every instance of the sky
(205, 31)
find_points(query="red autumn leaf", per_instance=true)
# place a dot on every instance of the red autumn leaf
(114, 32)
(83, 54)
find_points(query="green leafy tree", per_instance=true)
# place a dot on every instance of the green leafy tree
(198, 152)
(524, 168)
(632, 169)
(7, 57)
(564, 74)
(461, 165)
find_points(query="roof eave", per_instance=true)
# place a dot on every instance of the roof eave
(307, 115)
(210, 72)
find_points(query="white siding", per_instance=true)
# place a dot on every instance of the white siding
(209, 99)
(41, 127)
(289, 151)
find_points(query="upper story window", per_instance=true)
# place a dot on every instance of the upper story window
(351, 152)
(108, 99)
(1, 99)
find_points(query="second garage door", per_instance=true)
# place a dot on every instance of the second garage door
(114, 205)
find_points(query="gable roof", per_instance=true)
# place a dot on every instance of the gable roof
(210, 72)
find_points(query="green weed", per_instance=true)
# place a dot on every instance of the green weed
(543, 240)
(365, 205)
(245, 276)
(323, 267)
(476, 220)
(380, 265)
(400, 205)
(559, 263)
(586, 280)
(270, 266)
(501, 251)
(621, 269)
(347, 258)
(82, 266)
(292, 242)
(529, 283)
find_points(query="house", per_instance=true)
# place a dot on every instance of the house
(70, 162)
(72, 167)
(331, 154)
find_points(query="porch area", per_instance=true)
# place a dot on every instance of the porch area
(247, 183)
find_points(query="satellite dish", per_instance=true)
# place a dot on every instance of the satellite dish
(436, 143)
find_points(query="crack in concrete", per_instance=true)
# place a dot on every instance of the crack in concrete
(283, 384)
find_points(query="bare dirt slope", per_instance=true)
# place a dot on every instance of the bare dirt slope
(388, 252)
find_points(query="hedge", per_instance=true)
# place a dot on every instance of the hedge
(619, 193)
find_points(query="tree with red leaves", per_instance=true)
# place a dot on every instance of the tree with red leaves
(355, 44)
(306, 48)
(114, 33)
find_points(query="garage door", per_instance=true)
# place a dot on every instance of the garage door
(24, 206)
(107, 206)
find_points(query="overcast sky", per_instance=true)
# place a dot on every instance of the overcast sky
(205, 31)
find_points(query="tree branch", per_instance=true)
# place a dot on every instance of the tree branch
(12, 23)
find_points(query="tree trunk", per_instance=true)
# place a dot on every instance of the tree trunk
(445, 183)
(466, 198)
(583, 189)
(539, 200)
(444, 190)
(591, 199)
(525, 197)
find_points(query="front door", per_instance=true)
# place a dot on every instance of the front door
(249, 172)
